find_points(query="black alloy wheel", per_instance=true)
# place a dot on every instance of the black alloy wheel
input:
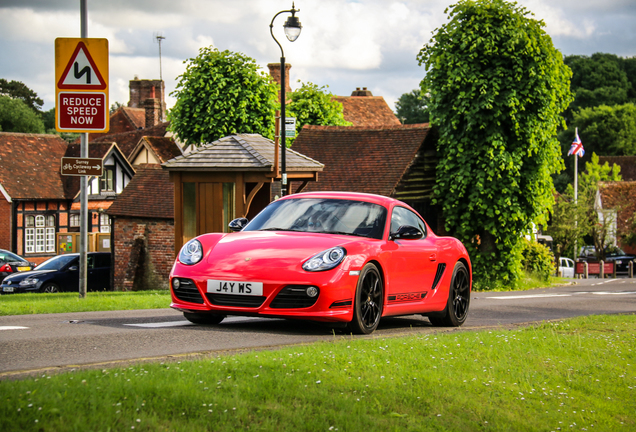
(203, 318)
(369, 301)
(456, 311)
(50, 288)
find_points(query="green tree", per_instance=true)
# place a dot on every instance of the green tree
(18, 90)
(497, 87)
(598, 80)
(412, 107)
(314, 105)
(16, 116)
(219, 94)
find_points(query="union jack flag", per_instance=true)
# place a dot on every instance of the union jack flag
(577, 146)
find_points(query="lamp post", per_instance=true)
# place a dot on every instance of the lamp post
(292, 31)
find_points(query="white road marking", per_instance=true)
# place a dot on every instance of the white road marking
(613, 293)
(161, 324)
(530, 296)
(12, 328)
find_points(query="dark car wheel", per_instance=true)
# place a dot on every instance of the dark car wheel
(369, 301)
(203, 318)
(50, 288)
(456, 309)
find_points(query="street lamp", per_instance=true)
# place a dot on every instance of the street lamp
(292, 31)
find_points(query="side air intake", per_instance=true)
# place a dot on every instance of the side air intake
(439, 274)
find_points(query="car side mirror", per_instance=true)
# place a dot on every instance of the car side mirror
(238, 224)
(407, 232)
(72, 268)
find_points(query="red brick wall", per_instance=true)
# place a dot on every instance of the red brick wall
(157, 236)
(5, 224)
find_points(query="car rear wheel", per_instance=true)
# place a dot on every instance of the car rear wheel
(369, 301)
(50, 288)
(456, 309)
(203, 318)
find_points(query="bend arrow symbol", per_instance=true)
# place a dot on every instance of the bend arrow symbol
(78, 73)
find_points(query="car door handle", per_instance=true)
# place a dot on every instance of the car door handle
(433, 257)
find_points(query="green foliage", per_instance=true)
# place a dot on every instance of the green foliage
(563, 229)
(537, 259)
(17, 90)
(497, 86)
(48, 118)
(16, 116)
(115, 106)
(602, 79)
(628, 236)
(412, 108)
(314, 105)
(219, 94)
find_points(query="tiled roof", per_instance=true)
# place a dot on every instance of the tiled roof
(30, 166)
(367, 110)
(361, 159)
(241, 152)
(93, 205)
(150, 194)
(164, 147)
(136, 116)
(127, 141)
(125, 119)
(627, 164)
(95, 150)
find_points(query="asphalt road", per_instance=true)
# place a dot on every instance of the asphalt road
(44, 343)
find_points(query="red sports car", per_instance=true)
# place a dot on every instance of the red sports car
(327, 256)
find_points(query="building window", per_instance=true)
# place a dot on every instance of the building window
(104, 223)
(39, 234)
(107, 182)
(74, 220)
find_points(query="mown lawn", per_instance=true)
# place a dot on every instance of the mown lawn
(575, 375)
(22, 304)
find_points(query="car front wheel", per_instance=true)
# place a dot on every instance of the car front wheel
(50, 288)
(368, 303)
(456, 309)
(203, 318)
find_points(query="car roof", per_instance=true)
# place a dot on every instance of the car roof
(357, 196)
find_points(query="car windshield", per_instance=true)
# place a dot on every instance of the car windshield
(10, 257)
(57, 262)
(320, 215)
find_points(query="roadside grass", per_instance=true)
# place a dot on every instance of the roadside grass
(24, 304)
(577, 375)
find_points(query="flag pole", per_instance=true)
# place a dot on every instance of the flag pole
(576, 196)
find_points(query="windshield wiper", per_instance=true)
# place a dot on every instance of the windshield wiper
(343, 233)
(279, 229)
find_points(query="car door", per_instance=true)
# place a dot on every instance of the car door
(98, 271)
(68, 276)
(413, 263)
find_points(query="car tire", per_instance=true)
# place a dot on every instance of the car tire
(456, 311)
(203, 318)
(369, 300)
(50, 288)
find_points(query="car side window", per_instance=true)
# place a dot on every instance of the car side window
(403, 216)
(102, 261)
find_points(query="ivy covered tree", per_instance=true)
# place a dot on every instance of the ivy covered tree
(497, 87)
(221, 93)
(314, 105)
(412, 108)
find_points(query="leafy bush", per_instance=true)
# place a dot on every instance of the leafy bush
(538, 259)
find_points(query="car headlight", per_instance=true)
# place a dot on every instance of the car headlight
(191, 253)
(325, 260)
(29, 282)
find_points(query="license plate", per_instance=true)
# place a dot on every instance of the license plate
(235, 287)
(24, 268)
(7, 289)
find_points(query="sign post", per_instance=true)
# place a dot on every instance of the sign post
(81, 105)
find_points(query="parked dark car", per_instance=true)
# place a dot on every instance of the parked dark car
(612, 254)
(61, 273)
(11, 263)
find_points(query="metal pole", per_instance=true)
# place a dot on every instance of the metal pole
(576, 200)
(283, 159)
(83, 179)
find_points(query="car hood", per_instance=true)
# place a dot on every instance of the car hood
(269, 250)
(18, 277)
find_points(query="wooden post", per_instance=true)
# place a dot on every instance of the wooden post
(614, 269)
(601, 270)
(587, 271)
(630, 269)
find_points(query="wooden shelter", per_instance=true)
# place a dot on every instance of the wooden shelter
(229, 178)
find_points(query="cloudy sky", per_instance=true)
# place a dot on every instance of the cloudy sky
(344, 43)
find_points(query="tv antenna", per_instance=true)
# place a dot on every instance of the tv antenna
(159, 37)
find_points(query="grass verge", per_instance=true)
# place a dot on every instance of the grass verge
(24, 304)
(574, 375)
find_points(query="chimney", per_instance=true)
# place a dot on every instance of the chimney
(363, 92)
(142, 90)
(274, 72)
(153, 110)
